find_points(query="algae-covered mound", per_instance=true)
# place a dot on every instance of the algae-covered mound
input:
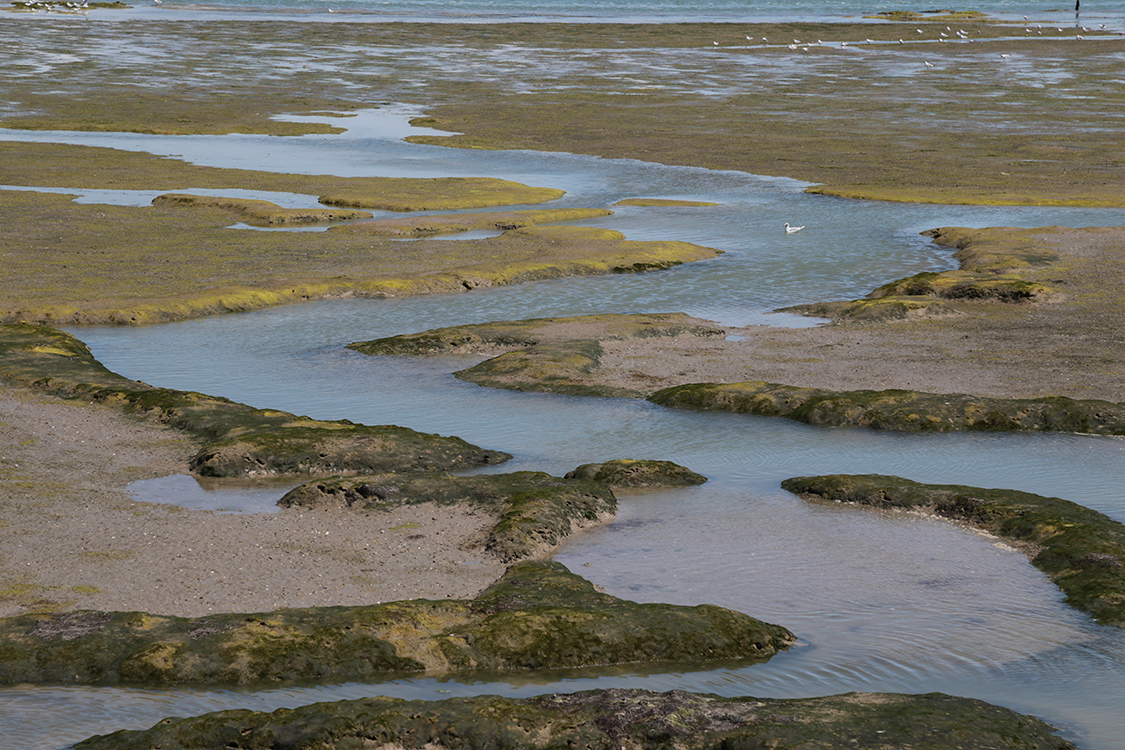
(993, 263)
(236, 440)
(538, 615)
(900, 410)
(608, 719)
(534, 511)
(1082, 551)
(626, 472)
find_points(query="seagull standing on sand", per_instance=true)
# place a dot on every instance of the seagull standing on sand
(791, 230)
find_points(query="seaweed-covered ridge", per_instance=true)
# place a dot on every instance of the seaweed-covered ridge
(538, 615)
(609, 719)
(1082, 551)
(899, 410)
(235, 439)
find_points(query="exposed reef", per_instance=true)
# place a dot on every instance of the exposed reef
(604, 719)
(537, 616)
(235, 439)
(899, 410)
(627, 473)
(1082, 551)
(534, 511)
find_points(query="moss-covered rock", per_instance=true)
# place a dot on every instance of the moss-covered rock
(900, 410)
(534, 511)
(537, 616)
(1082, 551)
(626, 472)
(603, 719)
(236, 440)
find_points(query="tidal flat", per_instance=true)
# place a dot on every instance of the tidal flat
(672, 94)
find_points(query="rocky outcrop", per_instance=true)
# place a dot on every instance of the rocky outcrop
(609, 719)
(899, 410)
(538, 615)
(624, 473)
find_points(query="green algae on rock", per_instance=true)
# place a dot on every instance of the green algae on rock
(613, 718)
(235, 439)
(535, 511)
(627, 473)
(899, 410)
(538, 615)
(259, 212)
(1081, 550)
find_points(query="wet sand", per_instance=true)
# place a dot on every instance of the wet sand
(73, 538)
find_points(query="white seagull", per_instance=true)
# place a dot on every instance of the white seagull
(791, 230)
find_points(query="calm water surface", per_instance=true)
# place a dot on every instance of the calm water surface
(880, 601)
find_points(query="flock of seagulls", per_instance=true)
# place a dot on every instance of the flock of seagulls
(949, 35)
(56, 7)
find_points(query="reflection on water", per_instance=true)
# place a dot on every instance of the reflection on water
(881, 601)
(205, 493)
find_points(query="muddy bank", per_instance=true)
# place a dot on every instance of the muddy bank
(611, 718)
(960, 332)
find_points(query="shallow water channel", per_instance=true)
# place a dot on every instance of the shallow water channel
(881, 601)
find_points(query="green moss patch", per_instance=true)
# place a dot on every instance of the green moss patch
(609, 718)
(534, 511)
(237, 440)
(537, 616)
(74, 264)
(1082, 551)
(899, 410)
(626, 473)
(427, 195)
(430, 225)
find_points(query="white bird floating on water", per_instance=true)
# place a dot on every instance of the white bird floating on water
(791, 230)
